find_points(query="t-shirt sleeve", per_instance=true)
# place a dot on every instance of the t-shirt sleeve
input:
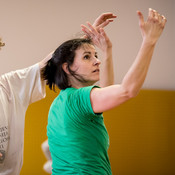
(81, 103)
(24, 85)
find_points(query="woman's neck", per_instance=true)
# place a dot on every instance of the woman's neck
(78, 84)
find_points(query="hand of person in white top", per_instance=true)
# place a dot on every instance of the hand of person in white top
(99, 37)
(1, 43)
(103, 20)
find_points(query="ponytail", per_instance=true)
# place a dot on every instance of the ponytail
(48, 74)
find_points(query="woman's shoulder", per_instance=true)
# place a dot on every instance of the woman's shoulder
(73, 92)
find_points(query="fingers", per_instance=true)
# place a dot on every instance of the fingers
(141, 18)
(105, 16)
(154, 16)
(91, 31)
(109, 17)
(164, 20)
(102, 32)
(104, 24)
(85, 30)
(150, 13)
(91, 27)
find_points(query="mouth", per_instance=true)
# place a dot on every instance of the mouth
(96, 70)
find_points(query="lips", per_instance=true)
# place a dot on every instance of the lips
(96, 70)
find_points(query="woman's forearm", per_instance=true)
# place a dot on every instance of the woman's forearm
(106, 69)
(136, 75)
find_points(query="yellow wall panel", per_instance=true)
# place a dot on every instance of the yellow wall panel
(141, 131)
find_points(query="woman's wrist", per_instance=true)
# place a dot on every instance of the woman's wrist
(107, 54)
(149, 41)
(107, 49)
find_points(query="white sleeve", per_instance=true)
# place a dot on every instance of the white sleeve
(24, 85)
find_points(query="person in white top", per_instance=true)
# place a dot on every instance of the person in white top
(18, 89)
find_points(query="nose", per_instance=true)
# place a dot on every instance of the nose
(97, 61)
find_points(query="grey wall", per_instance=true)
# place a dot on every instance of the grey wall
(33, 28)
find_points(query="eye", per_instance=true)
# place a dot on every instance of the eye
(96, 56)
(86, 57)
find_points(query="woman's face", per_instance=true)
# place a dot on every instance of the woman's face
(86, 65)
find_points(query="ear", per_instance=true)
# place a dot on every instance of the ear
(64, 66)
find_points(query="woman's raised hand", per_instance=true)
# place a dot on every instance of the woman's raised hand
(152, 28)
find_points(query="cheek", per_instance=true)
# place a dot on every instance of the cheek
(84, 69)
(74, 67)
(81, 67)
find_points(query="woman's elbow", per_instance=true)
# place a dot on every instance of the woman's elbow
(130, 93)
(133, 93)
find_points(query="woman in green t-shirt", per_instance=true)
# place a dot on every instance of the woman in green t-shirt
(77, 136)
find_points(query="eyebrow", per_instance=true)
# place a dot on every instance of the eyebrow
(89, 53)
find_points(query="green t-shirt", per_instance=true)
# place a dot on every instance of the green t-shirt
(78, 139)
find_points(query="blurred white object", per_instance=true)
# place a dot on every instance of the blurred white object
(47, 167)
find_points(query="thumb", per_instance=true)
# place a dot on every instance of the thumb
(141, 18)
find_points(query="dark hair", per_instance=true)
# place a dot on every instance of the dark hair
(53, 72)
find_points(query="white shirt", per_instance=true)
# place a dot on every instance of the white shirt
(18, 89)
